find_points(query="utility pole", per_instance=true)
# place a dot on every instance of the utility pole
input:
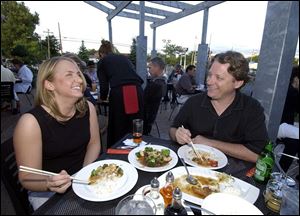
(61, 49)
(48, 42)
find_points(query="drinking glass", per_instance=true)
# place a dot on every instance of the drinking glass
(136, 204)
(290, 201)
(137, 130)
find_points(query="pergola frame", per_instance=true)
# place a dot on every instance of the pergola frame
(277, 51)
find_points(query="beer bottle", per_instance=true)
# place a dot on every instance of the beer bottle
(264, 164)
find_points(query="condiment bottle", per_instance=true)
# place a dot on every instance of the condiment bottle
(167, 190)
(176, 207)
(264, 164)
(156, 196)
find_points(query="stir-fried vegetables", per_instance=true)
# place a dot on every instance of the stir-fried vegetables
(107, 171)
(153, 158)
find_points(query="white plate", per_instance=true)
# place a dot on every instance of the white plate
(186, 152)
(247, 191)
(133, 160)
(124, 185)
(227, 204)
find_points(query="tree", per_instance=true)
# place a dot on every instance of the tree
(17, 30)
(172, 51)
(83, 52)
(132, 55)
(54, 45)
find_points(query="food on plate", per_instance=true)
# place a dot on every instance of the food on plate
(208, 185)
(105, 172)
(153, 158)
(205, 160)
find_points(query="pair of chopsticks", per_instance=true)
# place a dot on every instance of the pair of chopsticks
(193, 147)
(47, 173)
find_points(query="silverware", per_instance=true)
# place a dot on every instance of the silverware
(126, 147)
(192, 205)
(190, 179)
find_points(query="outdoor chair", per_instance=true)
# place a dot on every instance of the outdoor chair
(174, 105)
(7, 92)
(28, 92)
(9, 176)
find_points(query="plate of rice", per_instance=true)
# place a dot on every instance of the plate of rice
(109, 179)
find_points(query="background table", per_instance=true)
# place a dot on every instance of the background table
(70, 203)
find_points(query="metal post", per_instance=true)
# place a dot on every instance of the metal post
(141, 55)
(153, 52)
(276, 56)
(110, 31)
(202, 52)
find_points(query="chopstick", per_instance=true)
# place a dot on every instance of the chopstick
(291, 156)
(47, 173)
(193, 147)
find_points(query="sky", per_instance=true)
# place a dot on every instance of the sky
(231, 25)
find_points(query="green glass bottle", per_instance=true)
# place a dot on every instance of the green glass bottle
(264, 164)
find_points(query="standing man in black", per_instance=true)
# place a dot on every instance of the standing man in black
(120, 84)
(154, 91)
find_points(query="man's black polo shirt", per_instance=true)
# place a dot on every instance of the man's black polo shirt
(243, 122)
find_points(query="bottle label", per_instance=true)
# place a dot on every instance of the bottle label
(261, 170)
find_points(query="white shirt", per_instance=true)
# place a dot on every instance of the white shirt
(7, 75)
(26, 75)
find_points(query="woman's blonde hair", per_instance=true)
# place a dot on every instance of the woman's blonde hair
(46, 97)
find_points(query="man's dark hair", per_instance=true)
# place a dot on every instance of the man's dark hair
(158, 61)
(190, 67)
(238, 64)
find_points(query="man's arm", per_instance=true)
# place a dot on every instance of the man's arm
(235, 150)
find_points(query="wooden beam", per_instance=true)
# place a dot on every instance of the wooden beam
(118, 9)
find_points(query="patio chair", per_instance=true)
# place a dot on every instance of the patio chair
(7, 92)
(9, 176)
(28, 92)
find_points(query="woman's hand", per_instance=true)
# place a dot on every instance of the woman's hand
(183, 135)
(59, 183)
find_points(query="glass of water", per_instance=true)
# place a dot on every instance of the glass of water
(136, 204)
(290, 201)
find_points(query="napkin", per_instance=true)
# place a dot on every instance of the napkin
(129, 142)
(118, 151)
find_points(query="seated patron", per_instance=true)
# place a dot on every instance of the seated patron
(60, 134)
(186, 85)
(24, 74)
(223, 117)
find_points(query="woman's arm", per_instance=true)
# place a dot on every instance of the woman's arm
(94, 146)
(28, 149)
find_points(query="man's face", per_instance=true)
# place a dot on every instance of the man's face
(154, 69)
(192, 72)
(220, 83)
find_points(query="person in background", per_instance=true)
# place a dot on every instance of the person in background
(122, 86)
(60, 134)
(8, 76)
(186, 85)
(155, 89)
(288, 132)
(223, 117)
(92, 71)
(173, 78)
(24, 74)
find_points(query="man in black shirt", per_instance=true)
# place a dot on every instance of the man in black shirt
(223, 117)
(153, 93)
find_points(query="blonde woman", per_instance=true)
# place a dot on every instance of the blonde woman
(60, 134)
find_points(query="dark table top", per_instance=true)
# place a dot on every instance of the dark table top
(70, 203)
